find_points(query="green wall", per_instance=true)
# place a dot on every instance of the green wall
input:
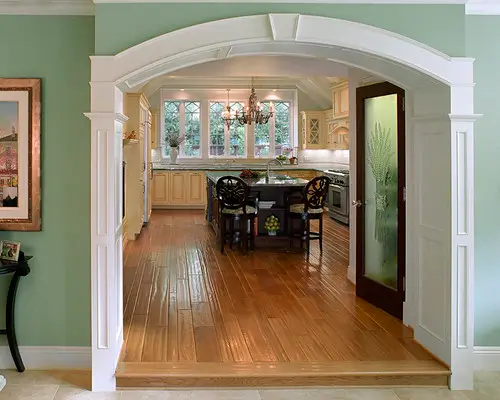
(120, 26)
(54, 300)
(482, 31)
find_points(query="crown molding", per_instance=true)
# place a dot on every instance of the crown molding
(46, 7)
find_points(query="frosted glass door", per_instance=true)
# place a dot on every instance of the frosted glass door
(381, 190)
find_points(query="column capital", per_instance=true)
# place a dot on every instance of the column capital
(465, 117)
(118, 117)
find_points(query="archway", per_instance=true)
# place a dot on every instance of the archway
(441, 122)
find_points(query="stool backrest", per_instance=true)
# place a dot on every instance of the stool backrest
(232, 192)
(316, 192)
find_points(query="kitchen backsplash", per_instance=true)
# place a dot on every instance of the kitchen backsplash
(305, 156)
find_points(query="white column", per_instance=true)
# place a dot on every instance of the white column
(106, 233)
(462, 230)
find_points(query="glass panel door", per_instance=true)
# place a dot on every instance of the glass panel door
(380, 206)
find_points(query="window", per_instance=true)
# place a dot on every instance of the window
(183, 117)
(270, 138)
(224, 141)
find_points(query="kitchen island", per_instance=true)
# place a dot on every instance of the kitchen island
(275, 189)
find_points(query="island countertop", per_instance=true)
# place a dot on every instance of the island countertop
(277, 180)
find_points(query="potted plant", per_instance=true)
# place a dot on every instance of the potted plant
(174, 140)
(272, 225)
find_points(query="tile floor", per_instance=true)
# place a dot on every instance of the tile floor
(69, 385)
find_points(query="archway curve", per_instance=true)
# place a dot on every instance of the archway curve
(209, 41)
(196, 44)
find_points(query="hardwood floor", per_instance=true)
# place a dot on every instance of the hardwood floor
(185, 304)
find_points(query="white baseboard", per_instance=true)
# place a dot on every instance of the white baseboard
(49, 357)
(351, 274)
(486, 358)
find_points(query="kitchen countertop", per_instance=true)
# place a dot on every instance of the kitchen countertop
(240, 167)
(261, 182)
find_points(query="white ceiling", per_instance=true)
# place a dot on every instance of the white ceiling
(312, 76)
(86, 7)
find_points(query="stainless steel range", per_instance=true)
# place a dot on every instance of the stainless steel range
(338, 195)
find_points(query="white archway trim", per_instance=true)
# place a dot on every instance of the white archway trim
(297, 34)
(202, 43)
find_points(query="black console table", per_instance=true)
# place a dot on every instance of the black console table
(19, 268)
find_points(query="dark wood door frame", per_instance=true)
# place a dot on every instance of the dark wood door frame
(375, 293)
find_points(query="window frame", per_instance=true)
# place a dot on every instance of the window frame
(205, 96)
(272, 128)
(182, 127)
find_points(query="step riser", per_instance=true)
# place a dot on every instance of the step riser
(276, 381)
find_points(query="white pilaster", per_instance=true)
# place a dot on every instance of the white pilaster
(462, 247)
(106, 234)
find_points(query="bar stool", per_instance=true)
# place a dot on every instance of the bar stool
(233, 199)
(309, 205)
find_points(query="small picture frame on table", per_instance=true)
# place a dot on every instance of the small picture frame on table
(9, 250)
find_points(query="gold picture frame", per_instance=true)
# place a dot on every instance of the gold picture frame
(20, 154)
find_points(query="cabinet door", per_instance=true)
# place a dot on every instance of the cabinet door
(177, 189)
(160, 188)
(154, 129)
(314, 132)
(196, 193)
(341, 102)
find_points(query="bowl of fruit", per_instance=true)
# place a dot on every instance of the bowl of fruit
(249, 174)
(272, 225)
(282, 158)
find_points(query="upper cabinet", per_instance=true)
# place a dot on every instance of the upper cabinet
(337, 132)
(313, 130)
(154, 129)
(340, 100)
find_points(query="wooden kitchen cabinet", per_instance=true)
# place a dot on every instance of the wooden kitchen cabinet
(160, 188)
(340, 99)
(154, 129)
(337, 132)
(313, 130)
(179, 189)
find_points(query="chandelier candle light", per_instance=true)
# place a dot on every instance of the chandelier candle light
(254, 112)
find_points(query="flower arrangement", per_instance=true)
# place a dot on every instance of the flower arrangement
(174, 139)
(272, 225)
(287, 150)
(249, 174)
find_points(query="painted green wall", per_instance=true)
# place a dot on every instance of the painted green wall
(482, 31)
(120, 26)
(53, 306)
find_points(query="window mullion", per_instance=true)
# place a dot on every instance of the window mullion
(182, 125)
(272, 137)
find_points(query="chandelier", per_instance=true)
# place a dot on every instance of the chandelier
(254, 112)
(228, 116)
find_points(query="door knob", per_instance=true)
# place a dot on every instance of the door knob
(357, 203)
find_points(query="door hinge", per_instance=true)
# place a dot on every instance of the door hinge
(404, 194)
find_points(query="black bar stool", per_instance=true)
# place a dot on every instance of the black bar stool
(233, 199)
(306, 206)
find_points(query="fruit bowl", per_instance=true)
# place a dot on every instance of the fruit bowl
(249, 174)
(272, 225)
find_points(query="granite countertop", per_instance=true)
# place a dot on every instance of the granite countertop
(278, 180)
(240, 167)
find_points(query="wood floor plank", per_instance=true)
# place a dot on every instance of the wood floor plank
(186, 302)
(185, 336)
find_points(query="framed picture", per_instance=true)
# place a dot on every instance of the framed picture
(20, 154)
(9, 250)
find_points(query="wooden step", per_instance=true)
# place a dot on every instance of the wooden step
(343, 373)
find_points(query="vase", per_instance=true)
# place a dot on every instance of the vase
(174, 152)
(271, 233)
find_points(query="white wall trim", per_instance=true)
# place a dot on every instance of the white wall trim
(68, 7)
(486, 358)
(49, 357)
(397, 58)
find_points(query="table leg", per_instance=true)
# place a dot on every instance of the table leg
(11, 327)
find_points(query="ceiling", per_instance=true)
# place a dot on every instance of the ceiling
(312, 76)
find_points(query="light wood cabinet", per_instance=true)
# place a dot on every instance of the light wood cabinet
(313, 130)
(154, 129)
(160, 188)
(337, 132)
(196, 188)
(340, 99)
(179, 189)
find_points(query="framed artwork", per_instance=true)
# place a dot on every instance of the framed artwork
(9, 250)
(20, 108)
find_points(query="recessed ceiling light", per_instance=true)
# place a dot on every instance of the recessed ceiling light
(274, 90)
(182, 90)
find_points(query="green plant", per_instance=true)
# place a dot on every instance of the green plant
(174, 139)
